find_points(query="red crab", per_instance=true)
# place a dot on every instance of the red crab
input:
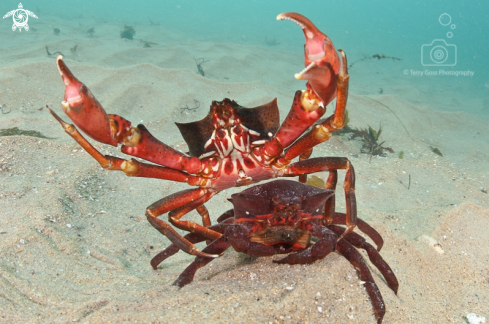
(232, 146)
(237, 146)
(280, 217)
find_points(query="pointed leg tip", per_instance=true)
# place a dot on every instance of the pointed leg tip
(180, 282)
(206, 255)
(53, 113)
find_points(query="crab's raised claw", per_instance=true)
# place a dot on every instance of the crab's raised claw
(321, 60)
(83, 108)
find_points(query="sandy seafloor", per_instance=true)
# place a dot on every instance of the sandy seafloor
(75, 244)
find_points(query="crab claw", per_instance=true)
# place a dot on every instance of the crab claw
(322, 62)
(83, 108)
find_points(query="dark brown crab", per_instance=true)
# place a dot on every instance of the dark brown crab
(283, 216)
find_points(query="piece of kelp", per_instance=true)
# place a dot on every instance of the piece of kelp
(15, 131)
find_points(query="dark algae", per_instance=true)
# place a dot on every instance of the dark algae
(370, 141)
(368, 136)
(128, 32)
(435, 150)
(15, 131)
(199, 63)
(376, 57)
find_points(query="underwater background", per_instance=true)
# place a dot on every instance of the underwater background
(362, 28)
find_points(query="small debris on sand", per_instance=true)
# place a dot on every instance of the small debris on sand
(431, 242)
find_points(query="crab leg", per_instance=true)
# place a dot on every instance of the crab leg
(228, 214)
(204, 213)
(304, 156)
(330, 206)
(217, 247)
(175, 203)
(374, 256)
(355, 258)
(131, 167)
(340, 219)
(190, 226)
(328, 164)
(192, 238)
(88, 114)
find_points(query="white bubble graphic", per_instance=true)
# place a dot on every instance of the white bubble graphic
(445, 19)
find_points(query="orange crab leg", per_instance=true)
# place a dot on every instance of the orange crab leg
(175, 202)
(181, 202)
(131, 167)
(88, 114)
(190, 226)
(192, 238)
(304, 156)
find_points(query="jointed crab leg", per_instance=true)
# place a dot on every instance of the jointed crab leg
(192, 238)
(190, 226)
(204, 213)
(217, 247)
(304, 156)
(175, 202)
(327, 164)
(180, 202)
(355, 258)
(330, 206)
(340, 219)
(87, 114)
(374, 256)
(131, 167)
